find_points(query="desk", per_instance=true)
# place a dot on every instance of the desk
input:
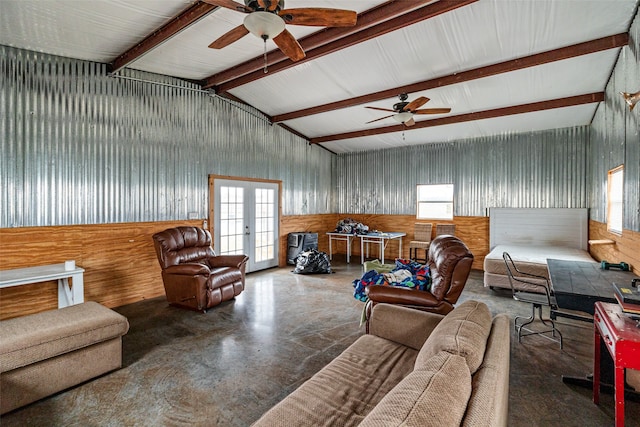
(381, 239)
(346, 237)
(68, 294)
(621, 336)
(578, 285)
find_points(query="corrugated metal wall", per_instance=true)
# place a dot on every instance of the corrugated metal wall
(79, 147)
(534, 170)
(615, 137)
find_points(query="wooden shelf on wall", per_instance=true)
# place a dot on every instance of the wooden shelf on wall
(602, 242)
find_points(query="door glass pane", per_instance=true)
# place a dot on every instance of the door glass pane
(231, 220)
(264, 242)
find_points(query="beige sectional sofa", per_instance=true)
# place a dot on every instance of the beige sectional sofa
(412, 368)
(44, 353)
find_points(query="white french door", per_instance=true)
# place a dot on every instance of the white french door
(246, 221)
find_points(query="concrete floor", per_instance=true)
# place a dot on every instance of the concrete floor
(228, 366)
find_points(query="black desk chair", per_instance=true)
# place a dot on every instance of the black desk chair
(537, 300)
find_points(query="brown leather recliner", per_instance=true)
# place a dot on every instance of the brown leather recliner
(449, 262)
(194, 276)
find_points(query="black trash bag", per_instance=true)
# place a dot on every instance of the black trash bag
(312, 261)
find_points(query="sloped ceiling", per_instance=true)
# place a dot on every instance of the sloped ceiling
(502, 66)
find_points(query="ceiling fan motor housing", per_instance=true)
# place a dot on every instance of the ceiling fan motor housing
(399, 106)
(264, 5)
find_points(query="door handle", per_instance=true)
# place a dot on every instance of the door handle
(246, 230)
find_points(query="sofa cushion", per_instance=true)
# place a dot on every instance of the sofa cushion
(35, 337)
(434, 395)
(489, 401)
(464, 331)
(348, 388)
(404, 325)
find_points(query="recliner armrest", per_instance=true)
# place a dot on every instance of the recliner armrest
(400, 295)
(403, 325)
(228, 261)
(188, 269)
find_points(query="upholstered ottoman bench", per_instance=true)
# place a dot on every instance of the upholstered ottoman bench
(44, 353)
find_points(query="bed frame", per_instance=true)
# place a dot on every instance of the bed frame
(532, 235)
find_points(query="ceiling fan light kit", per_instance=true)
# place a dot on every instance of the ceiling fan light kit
(265, 25)
(267, 19)
(403, 117)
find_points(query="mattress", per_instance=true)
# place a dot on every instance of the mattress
(528, 259)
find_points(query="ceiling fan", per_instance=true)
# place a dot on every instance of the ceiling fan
(267, 19)
(404, 111)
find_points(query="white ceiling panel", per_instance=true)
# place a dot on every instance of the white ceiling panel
(195, 60)
(473, 36)
(97, 30)
(571, 77)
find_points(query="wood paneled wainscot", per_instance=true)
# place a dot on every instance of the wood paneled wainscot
(474, 231)
(320, 223)
(121, 266)
(614, 248)
(119, 261)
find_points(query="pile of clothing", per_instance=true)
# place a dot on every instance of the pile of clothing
(407, 273)
(350, 226)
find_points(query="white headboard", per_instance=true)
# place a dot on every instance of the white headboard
(550, 227)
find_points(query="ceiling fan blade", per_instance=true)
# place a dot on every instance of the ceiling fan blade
(289, 46)
(381, 118)
(319, 17)
(229, 4)
(433, 111)
(230, 37)
(410, 122)
(380, 109)
(415, 104)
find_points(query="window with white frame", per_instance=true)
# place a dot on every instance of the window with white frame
(435, 201)
(615, 191)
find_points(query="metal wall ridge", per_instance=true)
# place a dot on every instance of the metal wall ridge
(533, 170)
(82, 147)
(615, 137)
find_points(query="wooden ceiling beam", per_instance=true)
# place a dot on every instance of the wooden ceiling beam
(585, 48)
(467, 117)
(378, 21)
(185, 19)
